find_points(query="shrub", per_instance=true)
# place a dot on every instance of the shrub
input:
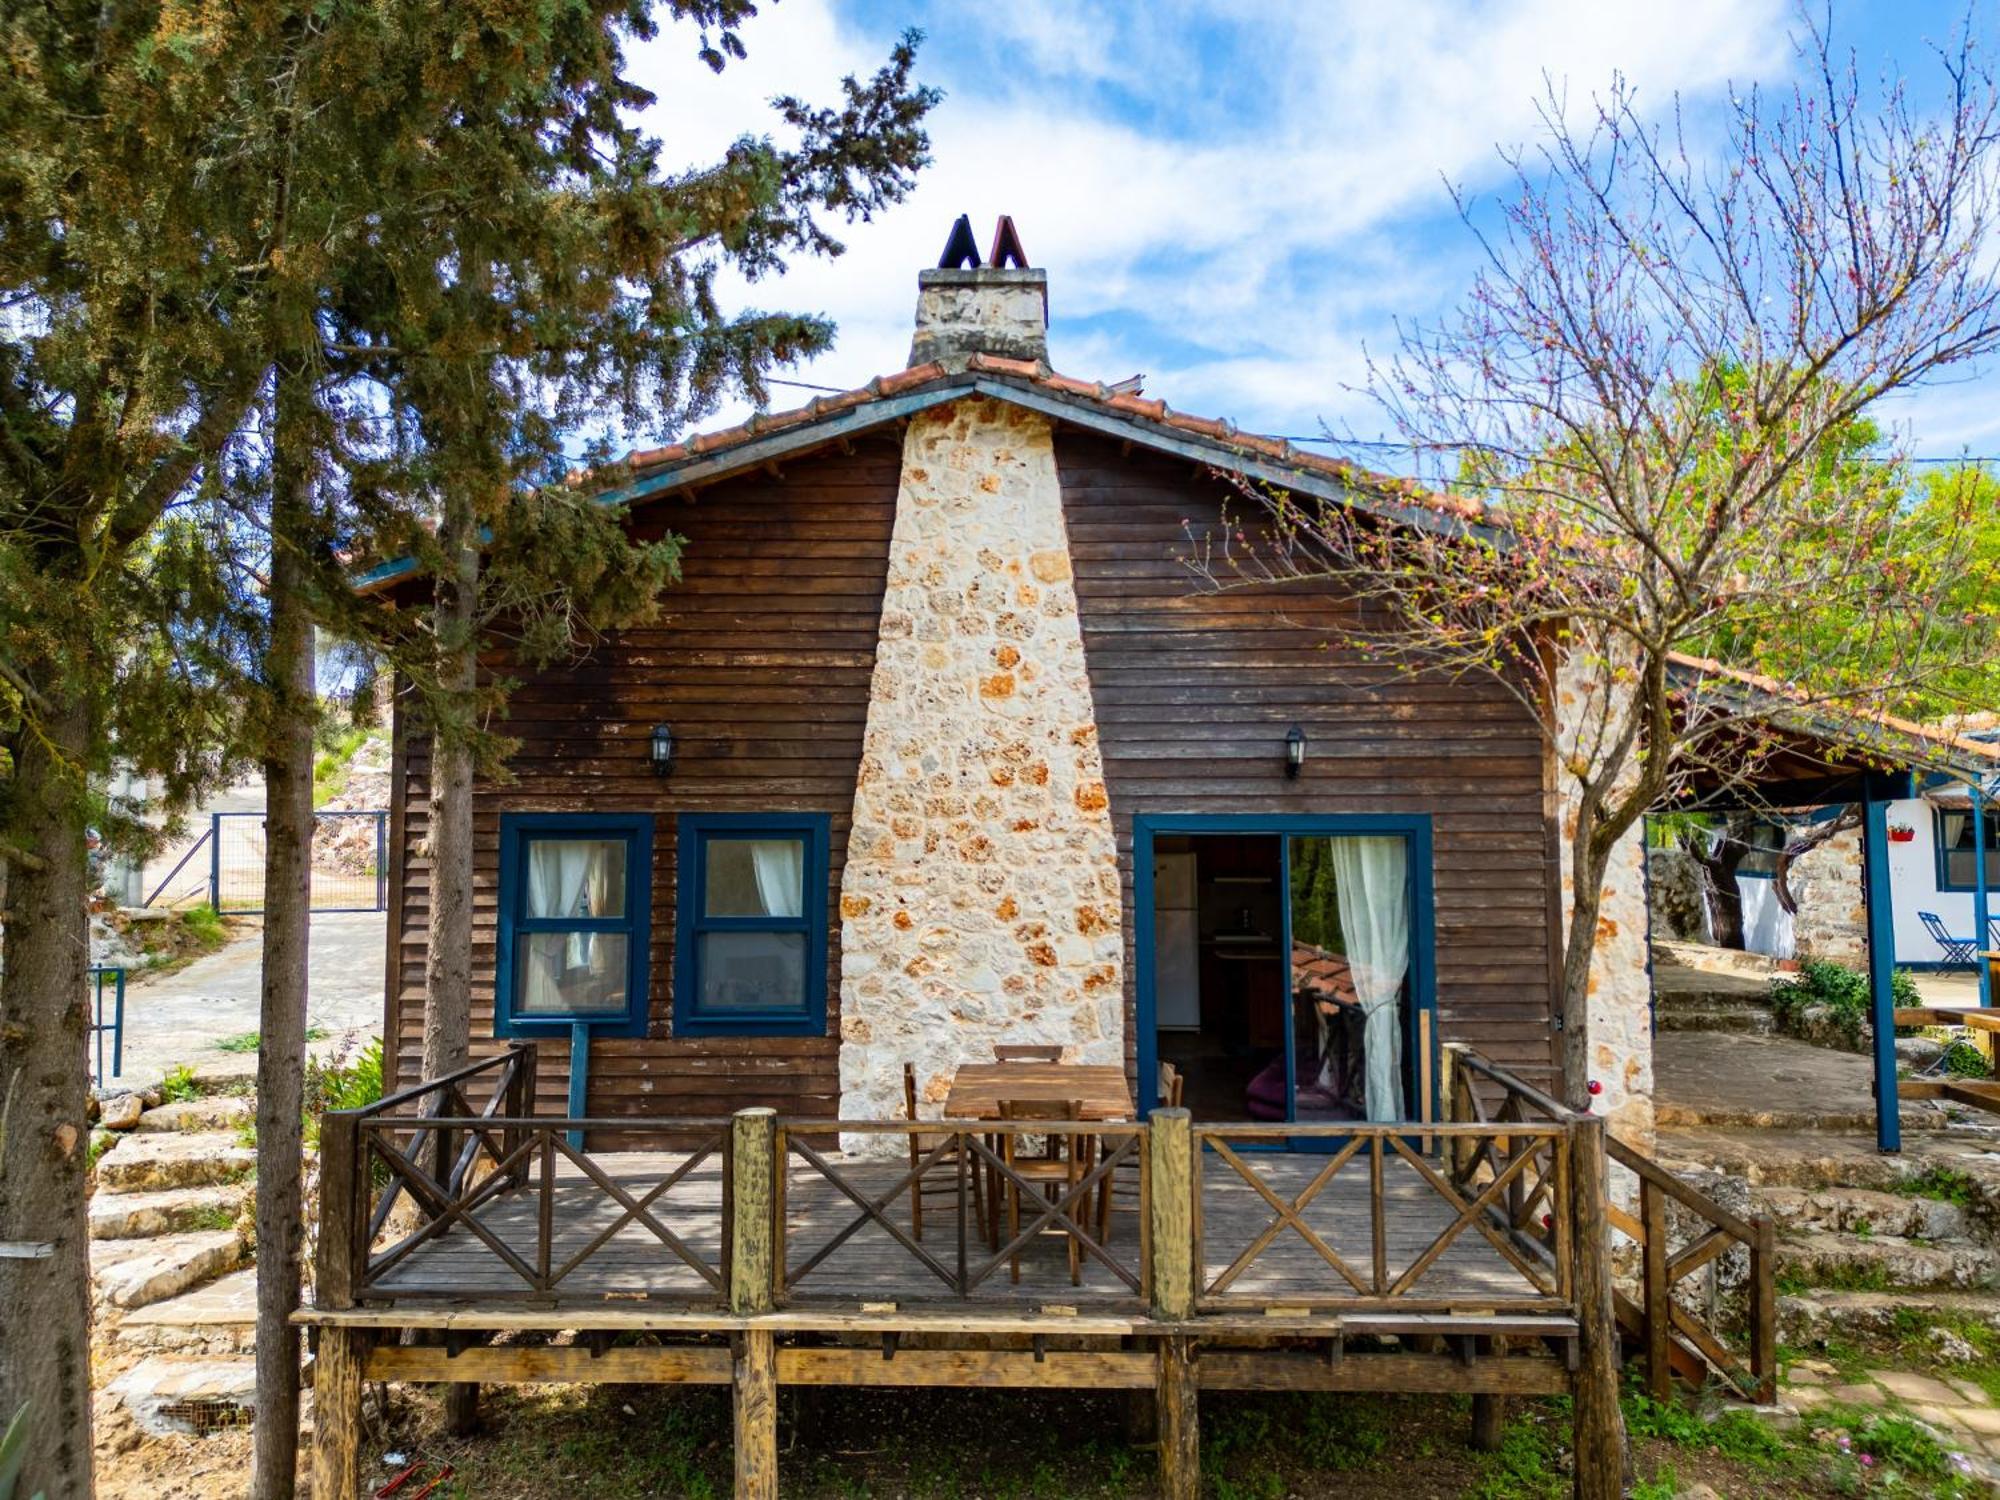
(1834, 995)
(339, 1083)
(179, 1085)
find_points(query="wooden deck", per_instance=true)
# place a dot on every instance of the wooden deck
(872, 1266)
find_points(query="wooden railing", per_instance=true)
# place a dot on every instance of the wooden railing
(455, 1189)
(1398, 1212)
(867, 1200)
(1676, 1335)
(496, 1172)
(1980, 1093)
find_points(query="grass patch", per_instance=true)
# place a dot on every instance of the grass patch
(334, 760)
(179, 940)
(179, 1085)
(248, 1041)
(1941, 1183)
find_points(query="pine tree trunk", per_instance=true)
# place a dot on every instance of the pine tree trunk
(44, 1136)
(288, 834)
(448, 952)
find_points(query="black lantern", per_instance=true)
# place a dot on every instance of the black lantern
(1295, 752)
(660, 753)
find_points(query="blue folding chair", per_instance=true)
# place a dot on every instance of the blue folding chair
(1957, 951)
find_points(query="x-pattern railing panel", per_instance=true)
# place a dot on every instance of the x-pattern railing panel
(1521, 1179)
(538, 1196)
(878, 1192)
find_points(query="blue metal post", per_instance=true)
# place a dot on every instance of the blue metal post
(215, 862)
(1982, 938)
(1881, 967)
(579, 1078)
(118, 1032)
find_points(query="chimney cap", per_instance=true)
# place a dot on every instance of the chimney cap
(961, 251)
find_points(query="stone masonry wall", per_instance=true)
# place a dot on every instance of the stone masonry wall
(1621, 1028)
(1828, 885)
(980, 901)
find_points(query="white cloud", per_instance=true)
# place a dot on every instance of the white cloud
(1230, 198)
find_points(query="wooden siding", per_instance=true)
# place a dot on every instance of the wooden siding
(1195, 690)
(761, 664)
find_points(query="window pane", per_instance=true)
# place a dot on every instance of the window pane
(576, 878)
(753, 971)
(569, 973)
(755, 878)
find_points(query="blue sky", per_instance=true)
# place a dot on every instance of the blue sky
(1240, 198)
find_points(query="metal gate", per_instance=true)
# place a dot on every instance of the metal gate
(350, 867)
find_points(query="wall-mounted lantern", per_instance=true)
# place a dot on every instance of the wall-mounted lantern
(660, 752)
(1295, 752)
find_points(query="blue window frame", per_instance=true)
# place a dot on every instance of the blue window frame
(574, 923)
(1958, 844)
(750, 928)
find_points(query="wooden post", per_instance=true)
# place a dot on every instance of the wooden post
(1180, 1427)
(1658, 1295)
(1170, 1143)
(753, 1135)
(1489, 1417)
(1169, 1140)
(521, 1104)
(1600, 1432)
(754, 1391)
(343, 1211)
(753, 1167)
(337, 1412)
(1764, 1311)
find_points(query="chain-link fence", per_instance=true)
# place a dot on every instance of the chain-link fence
(350, 861)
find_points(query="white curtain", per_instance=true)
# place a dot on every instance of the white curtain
(568, 878)
(1955, 824)
(780, 868)
(1371, 884)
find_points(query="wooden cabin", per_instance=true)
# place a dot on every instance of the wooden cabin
(939, 666)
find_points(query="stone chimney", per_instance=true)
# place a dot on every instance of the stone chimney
(966, 308)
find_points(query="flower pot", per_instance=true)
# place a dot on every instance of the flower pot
(1902, 835)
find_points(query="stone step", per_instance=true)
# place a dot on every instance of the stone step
(219, 1317)
(214, 1112)
(1810, 1159)
(1884, 1261)
(124, 1216)
(186, 1393)
(132, 1273)
(1813, 1314)
(1732, 1019)
(174, 1159)
(1715, 999)
(1846, 1210)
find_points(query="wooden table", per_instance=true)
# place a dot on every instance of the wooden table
(978, 1088)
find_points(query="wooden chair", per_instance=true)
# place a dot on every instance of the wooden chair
(1025, 1052)
(1060, 1165)
(942, 1179)
(1122, 1185)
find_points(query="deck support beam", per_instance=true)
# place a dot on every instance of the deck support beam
(1178, 1402)
(1600, 1427)
(337, 1375)
(754, 1402)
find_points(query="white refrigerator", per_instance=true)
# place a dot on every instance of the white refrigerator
(1176, 944)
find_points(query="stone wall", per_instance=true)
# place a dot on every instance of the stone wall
(1621, 1028)
(1832, 917)
(980, 900)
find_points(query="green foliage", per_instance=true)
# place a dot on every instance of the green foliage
(1525, 1467)
(204, 924)
(341, 1083)
(337, 747)
(1943, 1183)
(179, 1085)
(1842, 995)
(1964, 1060)
(1315, 907)
(14, 1453)
(246, 1041)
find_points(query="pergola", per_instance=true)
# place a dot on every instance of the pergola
(1807, 757)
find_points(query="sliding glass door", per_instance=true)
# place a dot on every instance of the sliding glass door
(1284, 965)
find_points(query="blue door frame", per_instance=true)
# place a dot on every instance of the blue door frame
(1414, 828)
